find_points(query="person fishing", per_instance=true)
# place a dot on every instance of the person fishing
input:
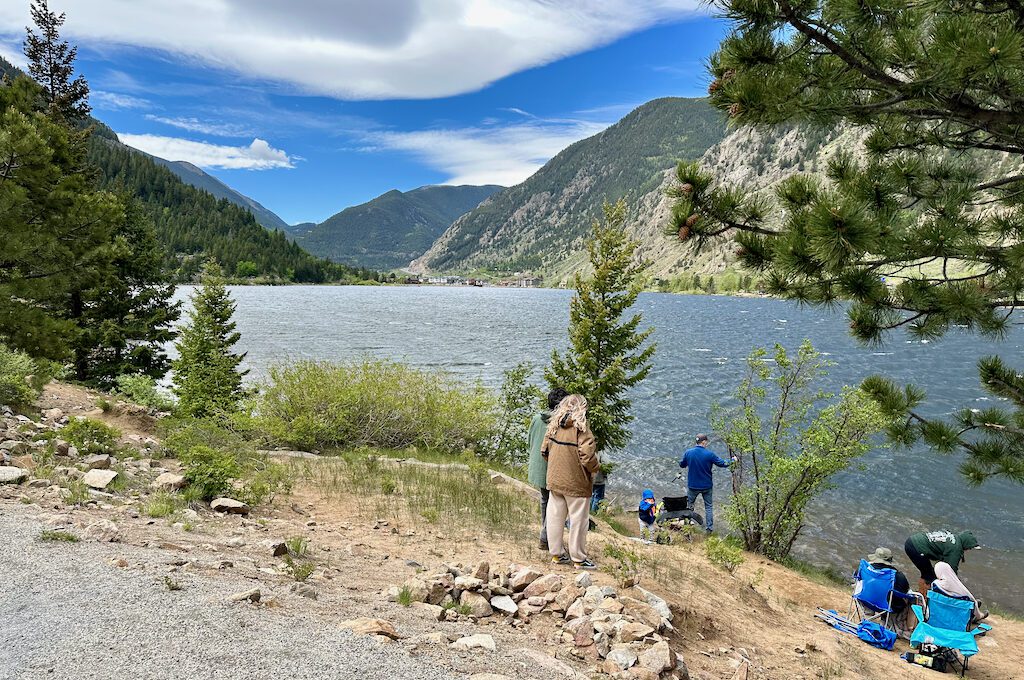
(699, 462)
(926, 547)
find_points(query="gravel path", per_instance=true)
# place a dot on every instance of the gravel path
(66, 612)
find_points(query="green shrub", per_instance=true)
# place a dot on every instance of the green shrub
(384, 404)
(142, 390)
(91, 437)
(161, 505)
(21, 378)
(209, 471)
(723, 553)
(297, 546)
(518, 401)
(405, 597)
(58, 536)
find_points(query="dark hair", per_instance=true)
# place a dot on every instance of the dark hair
(555, 397)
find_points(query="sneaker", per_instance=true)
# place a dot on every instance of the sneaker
(560, 559)
(585, 564)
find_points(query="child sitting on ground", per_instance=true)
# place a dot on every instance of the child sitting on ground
(646, 514)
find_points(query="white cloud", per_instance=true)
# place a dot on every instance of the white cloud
(361, 50)
(11, 51)
(491, 155)
(201, 126)
(102, 99)
(257, 156)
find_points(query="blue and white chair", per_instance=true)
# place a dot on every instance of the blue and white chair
(874, 594)
(945, 629)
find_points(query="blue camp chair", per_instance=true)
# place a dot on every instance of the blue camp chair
(945, 628)
(874, 594)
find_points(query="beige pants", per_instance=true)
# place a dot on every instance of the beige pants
(578, 512)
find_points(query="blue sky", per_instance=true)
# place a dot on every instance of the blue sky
(333, 102)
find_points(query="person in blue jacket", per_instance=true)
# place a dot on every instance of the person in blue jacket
(698, 461)
(647, 513)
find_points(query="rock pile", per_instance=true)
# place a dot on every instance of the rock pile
(623, 635)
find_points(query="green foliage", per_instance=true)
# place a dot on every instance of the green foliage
(91, 437)
(790, 439)
(51, 61)
(77, 493)
(207, 380)
(723, 553)
(623, 563)
(922, 232)
(142, 390)
(209, 471)
(607, 353)
(56, 535)
(517, 403)
(21, 378)
(300, 571)
(404, 597)
(161, 504)
(297, 546)
(246, 269)
(171, 584)
(384, 404)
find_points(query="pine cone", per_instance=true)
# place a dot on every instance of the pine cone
(715, 86)
(729, 75)
(684, 234)
(741, 252)
(692, 221)
(735, 109)
(686, 189)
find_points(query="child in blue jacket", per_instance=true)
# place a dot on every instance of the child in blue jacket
(646, 514)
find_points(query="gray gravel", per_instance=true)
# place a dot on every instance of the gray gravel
(66, 612)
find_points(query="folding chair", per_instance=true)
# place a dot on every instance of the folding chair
(945, 629)
(873, 597)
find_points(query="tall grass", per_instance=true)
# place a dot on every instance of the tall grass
(385, 404)
(459, 501)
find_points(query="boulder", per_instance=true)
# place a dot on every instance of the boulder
(583, 580)
(632, 631)
(549, 583)
(523, 577)
(229, 505)
(582, 631)
(102, 530)
(641, 611)
(365, 626)
(98, 479)
(100, 461)
(483, 571)
(278, 549)
(575, 610)
(436, 592)
(477, 603)
(169, 481)
(658, 658)
(12, 475)
(478, 641)
(417, 590)
(304, 590)
(641, 673)
(565, 597)
(603, 644)
(622, 656)
(252, 595)
(546, 666)
(504, 604)
(611, 605)
(13, 447)
(61, 448)
(468, 583)
(431, 611)
(658, 604)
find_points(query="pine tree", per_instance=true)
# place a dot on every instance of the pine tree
(207, 380)
(925, 231)
(51, 62)
(127, 314)
(607, 353)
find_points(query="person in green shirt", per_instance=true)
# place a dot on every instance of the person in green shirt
(925, 548)
(537, 473)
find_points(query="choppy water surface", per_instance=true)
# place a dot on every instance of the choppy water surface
(476, 333)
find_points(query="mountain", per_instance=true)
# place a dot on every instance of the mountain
(540, 224)
(195, 176)
(392, 229)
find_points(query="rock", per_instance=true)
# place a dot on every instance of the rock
(478, 641)
(602, 643)
(611, 605)
(641, 673)
(622, 656)
(365, 626)
(522, 578)
(417, 589)
(658, 604)
(549, 583)
(504, 604)
(483, 571)
(468, 583)
(575, 610)
(98, 479)
(304, 590)
(565, 597)
(102, 530)
(250, 595)
(12, 475)
(489, 676)
(435, 638)
(38, 483)
(477, 603)
(62, 449)
(609, 591)
(13, 447)
(583, 580)
(658, 658)
(235, 542)
(169, 481)
(641, 611)
(631, 631)
(230, 506)
(431, 611)
(52, 413)
(100, 461)
(278, 548)
(582, 631)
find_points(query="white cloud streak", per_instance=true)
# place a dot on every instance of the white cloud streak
(258, 155)
(490, 155)
(203, 127)
(11, 51)
(102, 99)
(359, 50)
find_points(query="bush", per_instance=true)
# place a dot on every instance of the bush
(91, 437)
(384, 404)
(209, 472)
(723, 553)
(518, 401)
(142, 390)
(21, 378)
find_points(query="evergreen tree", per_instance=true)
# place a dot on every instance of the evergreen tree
(207, 380)
(925, 231)
(607, 354)
(51, 62)
(127, 313)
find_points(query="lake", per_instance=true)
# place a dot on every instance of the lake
(477, 333)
